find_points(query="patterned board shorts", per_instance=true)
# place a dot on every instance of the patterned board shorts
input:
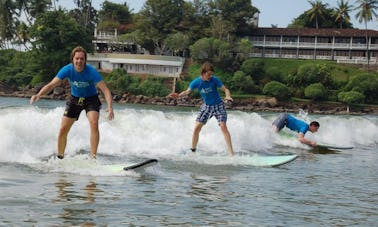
(207, 111)
(75, 105)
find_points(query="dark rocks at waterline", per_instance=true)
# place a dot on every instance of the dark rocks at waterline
(245, 104)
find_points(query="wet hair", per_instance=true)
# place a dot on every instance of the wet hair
(206, 67)
(78, 49)
(315, 123)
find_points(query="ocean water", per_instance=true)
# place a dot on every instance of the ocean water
(317, 189)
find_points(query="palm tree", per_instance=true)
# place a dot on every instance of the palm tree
(7, 21)
(341, 13)
(366, 11)
(317, 11)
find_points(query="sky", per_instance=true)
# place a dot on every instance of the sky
(276, 12)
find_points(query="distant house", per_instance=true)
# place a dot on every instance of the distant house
(111, 53)
(163, 66)
(341, 45)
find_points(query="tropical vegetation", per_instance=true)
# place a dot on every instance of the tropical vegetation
(36, 37)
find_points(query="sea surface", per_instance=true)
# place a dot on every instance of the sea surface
(320, 188)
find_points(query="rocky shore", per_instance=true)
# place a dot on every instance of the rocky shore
(245, 104)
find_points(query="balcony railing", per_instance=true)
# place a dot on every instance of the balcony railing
(353, 46)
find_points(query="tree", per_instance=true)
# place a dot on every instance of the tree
(278, 90)
(213, 50)
(310, 73)
(241, 82)
(177, 43)
(220, 28)
(367, 84)
(238, 13)
(327, 20)
(85, 15)
(350, 98)
(113, 16)
(366, 11)
(341, 13)
(54, 35)
(317, 11)
(316, 91)
(7, 21)
(254, 68)
(160, 18)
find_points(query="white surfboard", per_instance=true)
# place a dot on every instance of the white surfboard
(256, 160)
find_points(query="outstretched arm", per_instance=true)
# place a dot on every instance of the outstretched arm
(303, 140)
(183, 93)
(227, 93)
(108, 97)
(46, 89)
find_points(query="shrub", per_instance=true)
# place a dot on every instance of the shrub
(316, 92)
(351, 97)
(277, 90)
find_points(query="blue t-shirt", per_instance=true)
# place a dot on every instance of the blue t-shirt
(208, 89)
(83, 84)
(296, 124)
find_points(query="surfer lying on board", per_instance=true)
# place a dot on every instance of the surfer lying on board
(297, 125)
(83, 79)
(207, 85)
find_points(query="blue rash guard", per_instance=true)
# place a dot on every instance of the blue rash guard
(208, 89)
(296, 124)
(83, 84)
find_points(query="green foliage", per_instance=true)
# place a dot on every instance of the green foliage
(213, 50)
(278, 90)
(177, 43)
(311, 73)
(225, 55)
(56, 34)
(274, 73)
(152, 86)
(351, 97)
(316, 91)
(254, 68)
(319, 16)
(120, 82)
(241, 83)
(160, 18)
(15, 68)
(237, 13)
(365, 83)
(113, 15)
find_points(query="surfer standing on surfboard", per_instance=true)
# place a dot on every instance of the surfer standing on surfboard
(297, 125)
(83, 79)
(207, 85)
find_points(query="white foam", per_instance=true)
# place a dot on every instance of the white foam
(29, 133)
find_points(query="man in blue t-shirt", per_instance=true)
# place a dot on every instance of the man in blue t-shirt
(296, 125)
(207, 85)
(83, 79)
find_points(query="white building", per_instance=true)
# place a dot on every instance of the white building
(156, 65)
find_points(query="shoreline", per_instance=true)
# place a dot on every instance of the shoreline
(266, 104)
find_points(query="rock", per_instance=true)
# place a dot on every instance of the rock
(58, 91)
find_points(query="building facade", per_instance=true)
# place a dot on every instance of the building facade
(112, 53)
(156, 65)
(341, 45)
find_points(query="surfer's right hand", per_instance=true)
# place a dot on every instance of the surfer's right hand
(34, 98)
(173, 95)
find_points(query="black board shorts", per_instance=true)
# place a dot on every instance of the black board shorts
(75, 105)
